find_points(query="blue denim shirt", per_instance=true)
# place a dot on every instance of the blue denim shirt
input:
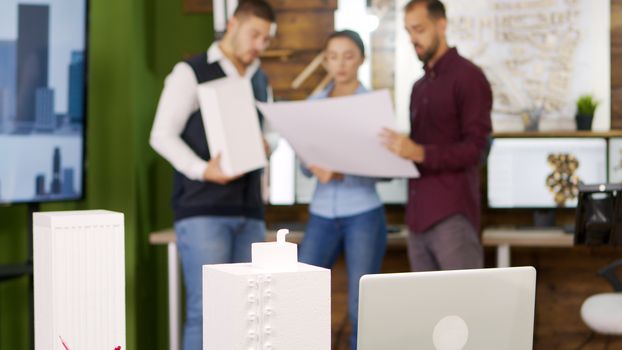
(340, 198)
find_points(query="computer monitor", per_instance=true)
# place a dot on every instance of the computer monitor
(43, 81)
(543, 172)
(462, 309)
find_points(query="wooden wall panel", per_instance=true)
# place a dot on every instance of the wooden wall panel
(197, 6)
(383, 48)
(303, 26)
(303, 30)
(205, 6)
(288, 5)
(616, 108)
(287, 72)
(383, 69)
(282, 73)
(616, 64)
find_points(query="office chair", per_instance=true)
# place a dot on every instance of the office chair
(602, 313)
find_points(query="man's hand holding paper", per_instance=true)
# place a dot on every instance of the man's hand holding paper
(402, 145)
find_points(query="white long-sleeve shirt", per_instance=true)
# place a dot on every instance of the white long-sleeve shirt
(177, 102)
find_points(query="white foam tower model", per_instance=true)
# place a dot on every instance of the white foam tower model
(79, 280)
(273, 303)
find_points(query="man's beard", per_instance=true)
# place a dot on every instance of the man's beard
(428, 54)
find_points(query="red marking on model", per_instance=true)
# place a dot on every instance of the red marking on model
(63, 342)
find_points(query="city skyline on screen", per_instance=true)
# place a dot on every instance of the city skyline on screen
(42, 65)
(42, 99)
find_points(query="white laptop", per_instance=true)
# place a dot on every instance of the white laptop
(448, 310)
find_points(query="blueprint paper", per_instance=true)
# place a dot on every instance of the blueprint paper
(341, 133)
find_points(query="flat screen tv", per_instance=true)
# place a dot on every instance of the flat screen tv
(543, 173)
(43, 55)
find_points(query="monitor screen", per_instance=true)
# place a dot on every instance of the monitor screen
(42, 99)
(543, 172)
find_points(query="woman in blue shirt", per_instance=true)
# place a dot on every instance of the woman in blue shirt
(346, 213)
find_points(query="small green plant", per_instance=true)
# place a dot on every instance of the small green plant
(586, 105)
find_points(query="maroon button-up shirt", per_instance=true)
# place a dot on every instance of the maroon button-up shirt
(450, 116)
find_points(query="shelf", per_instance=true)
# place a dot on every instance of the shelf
(550, 134)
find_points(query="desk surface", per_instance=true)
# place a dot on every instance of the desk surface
(527, 237)
(167, 236)
(490, 237)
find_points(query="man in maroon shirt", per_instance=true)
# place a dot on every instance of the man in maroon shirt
(450, 126)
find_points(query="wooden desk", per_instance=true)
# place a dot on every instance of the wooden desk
(505, 237)
(174, 324)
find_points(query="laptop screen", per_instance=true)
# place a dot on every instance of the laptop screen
(448, 310)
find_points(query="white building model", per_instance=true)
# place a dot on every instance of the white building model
(79, 280)
(273, 303)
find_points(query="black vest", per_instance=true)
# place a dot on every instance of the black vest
(241, 197)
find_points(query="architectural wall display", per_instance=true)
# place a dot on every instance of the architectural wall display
(562, 182)
(537, 54)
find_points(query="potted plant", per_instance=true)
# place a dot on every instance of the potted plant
(586, 106)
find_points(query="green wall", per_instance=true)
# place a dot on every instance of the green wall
(133, 45)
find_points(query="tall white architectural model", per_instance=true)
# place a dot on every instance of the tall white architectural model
(79, 280)
(273, 303)
(231, 124)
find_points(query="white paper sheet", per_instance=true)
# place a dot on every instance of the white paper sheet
(231, 124)
(341, 134)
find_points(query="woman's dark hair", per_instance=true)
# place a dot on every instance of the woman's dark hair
(348, 34)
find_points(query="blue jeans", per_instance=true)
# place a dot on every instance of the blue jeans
(207, 240)
(363, 238)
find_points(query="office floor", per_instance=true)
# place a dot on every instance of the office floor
(565, 278)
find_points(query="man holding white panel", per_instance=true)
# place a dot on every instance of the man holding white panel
(217, 216)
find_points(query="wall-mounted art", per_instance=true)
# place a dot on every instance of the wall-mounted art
(539, 55)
